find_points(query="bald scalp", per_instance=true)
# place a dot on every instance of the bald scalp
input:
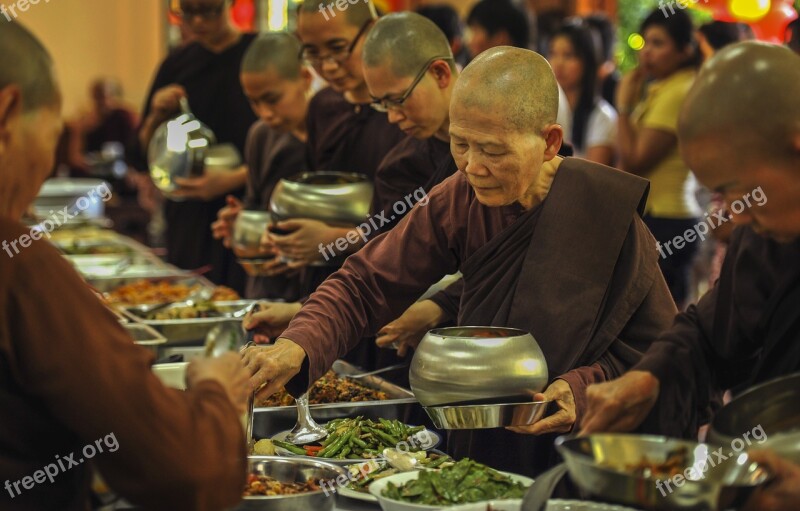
(274, 50)
(515, 81)
(406, 41)
(356, 14)
(743, 93)
(28, 65)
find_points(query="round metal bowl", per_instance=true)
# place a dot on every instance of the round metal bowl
(766, 416)
(604, 466)
(461, 365)
(293, 471)
(337, 198)
(487, 416)
(248, 229)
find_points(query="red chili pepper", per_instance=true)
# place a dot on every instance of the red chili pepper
(312, 450)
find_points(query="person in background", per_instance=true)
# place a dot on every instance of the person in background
(605, 34)
(448, 21)
(109, 120)
(206, 73)
(648, 144)
(279, 87)
(793, 36)
(496, 23)
(72, 381)
(716, 35)
(573, 58)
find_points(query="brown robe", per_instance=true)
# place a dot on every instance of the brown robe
(70, 376)
(745, 331)
(270, 157)
(584, 281)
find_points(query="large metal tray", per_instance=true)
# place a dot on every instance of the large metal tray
(401, 405)
(105, 285)
(191, 330)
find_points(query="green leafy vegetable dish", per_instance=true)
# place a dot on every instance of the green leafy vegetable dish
(465, 482)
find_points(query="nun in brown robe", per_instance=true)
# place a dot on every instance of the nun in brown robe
(584, 281)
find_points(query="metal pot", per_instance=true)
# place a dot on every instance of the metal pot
(336, 198)
(178, 149)
(473, 364)
(247, 232)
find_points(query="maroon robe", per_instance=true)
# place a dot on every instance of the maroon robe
(584, 281)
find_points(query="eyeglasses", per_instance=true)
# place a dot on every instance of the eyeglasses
(385, 104)
(206, 13)
(337, 55)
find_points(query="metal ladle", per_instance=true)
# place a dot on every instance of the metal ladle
(306, 430)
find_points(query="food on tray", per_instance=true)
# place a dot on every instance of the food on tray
(465, 482)
(265, 486)
(162, 291)
(675, 464)
(360, 438)
(264, 447)
(78, 248)
(329, 389)
(363, 474)
(200, 310)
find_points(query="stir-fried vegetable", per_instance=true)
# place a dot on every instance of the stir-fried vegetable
(465, 482)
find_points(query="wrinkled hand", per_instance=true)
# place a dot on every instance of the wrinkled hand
(271, 367)
(270, 320)
(407, 331)
(631, 89)
(561, 421)
(620, 405)
(229, 371)
(222, 229)
(166, 100)
(210, 185)
(781, 494)
(301, 245)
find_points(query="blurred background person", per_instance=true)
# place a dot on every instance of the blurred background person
(449, 22)
(713, 36)
(793, 36)
(649, 101)
(608, 75)
(496, 23)
(574, 57)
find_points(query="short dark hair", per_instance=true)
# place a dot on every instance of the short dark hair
(793, 35)
(498, 15)
(602, 26)
(680, 29)
(446, 18)
(29, 66)
(720, 34)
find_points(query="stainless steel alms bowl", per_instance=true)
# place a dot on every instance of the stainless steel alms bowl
(292, 471)
(768, 415)
(476, 365)
(248, 229)
(605, 466)
(339, 198)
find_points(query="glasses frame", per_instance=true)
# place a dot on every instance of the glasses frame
(317, 61)
(212, 13)
(385, 104)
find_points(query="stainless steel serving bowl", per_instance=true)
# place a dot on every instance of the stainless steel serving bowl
(473, 365)
(605, 466)
(250, 226)
(766, 416)
(499, 415)
(292, 471)
(337, 198)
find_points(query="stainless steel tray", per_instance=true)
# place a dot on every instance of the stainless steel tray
(144, 335)
(105, 285)
(191, 330)
(268, 421)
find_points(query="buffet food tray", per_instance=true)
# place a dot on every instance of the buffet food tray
(171, 275)
(192, 330)
(268, 421)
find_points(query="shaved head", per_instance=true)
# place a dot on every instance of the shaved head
(405, 41)
(745, 93)
(28, 66)
(356, 14)
(274, 50)
(515, 81)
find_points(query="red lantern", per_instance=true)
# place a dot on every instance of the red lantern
(772, 28)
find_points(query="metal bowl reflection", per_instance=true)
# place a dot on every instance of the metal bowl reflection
(465, 364)
(338, 198)
(248, 229)
(485, 416)
(606, 466)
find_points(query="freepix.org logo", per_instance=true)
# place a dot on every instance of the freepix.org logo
(12, 11)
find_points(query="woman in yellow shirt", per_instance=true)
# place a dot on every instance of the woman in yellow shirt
(648, 144)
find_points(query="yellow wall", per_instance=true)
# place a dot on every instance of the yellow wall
(91, 38)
